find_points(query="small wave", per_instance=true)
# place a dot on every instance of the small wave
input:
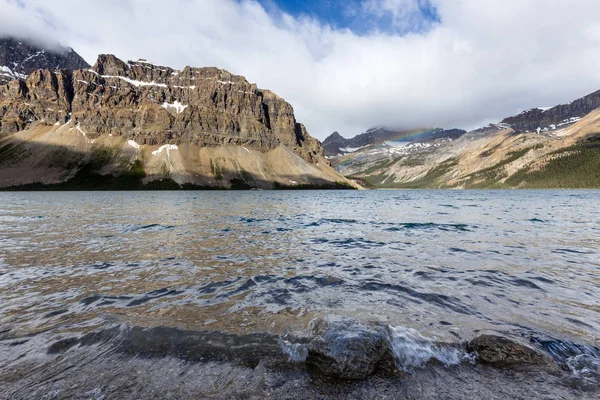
(295, 352)
(56, 312)
(106, 300)
(357, 243)
(562, 350)
(443, 301)
(151, 227)
(572, 251)
(525, 283)
(542, 279)
(314, 223)
(155, 294)
(15, 218)
(479, 282)
(212, 287)
(448, 206)
(536, 220)
(337, 221)
(412, 350)
(409, 349)
(350, 243)
(578, 322)
(324, 221)
(459, 250)
(429, 225)
(101, 265)
(320, 281)
(252, 220)
(99, 300)
(193, 346)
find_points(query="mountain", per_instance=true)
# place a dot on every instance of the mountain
(563, 153)
(551, 119)
(19, 58)
(138, 125)
(335, 144)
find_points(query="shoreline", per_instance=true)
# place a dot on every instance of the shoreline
(131, 362)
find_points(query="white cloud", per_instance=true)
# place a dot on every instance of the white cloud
(484, 61)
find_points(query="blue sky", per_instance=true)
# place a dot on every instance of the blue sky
(394, 17)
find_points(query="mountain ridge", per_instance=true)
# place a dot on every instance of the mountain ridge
(555, 117)
(509, 154)
(119, 116)
(20, 57)
(137, 123)
(335, 144)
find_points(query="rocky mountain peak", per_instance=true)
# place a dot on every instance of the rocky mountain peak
(551, 119)
(155, 105)
(20, 57)
(108, 64)
(335, 144)
(335, 136)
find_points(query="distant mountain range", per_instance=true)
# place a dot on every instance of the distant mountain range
(135, 125)
(335, 144)
(558, 147)
(551, 119)
(19, 58)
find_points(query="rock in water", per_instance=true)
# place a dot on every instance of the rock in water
(346, 348)
(585, 371)
(504, 352)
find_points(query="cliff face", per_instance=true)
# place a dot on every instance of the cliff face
(198, 126)
(156, 105)
(556, 117)
(19, 58)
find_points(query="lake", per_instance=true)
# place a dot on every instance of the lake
(261, 265)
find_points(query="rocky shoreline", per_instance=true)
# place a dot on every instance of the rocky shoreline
(338, 357)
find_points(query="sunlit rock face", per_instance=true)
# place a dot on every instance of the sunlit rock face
(554, 118)
(156, 105)
(143, 123)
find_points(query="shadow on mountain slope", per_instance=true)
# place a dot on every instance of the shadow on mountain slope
(34, 165)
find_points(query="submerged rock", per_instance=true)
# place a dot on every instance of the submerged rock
(504, 352)
(585, 371)
(346, 348)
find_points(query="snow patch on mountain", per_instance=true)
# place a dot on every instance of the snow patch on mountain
(176, 105)
(165, 147)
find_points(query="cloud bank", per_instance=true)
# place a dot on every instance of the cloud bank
(478, 62)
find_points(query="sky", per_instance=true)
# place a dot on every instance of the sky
(350, 65)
